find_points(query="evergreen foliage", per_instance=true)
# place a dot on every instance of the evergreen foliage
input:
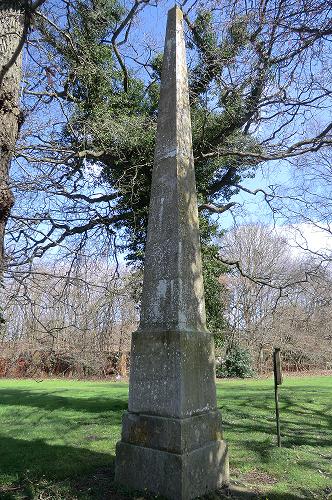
(113, 123)
(212, 270)
(237, 363)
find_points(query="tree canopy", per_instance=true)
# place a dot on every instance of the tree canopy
(259, 94)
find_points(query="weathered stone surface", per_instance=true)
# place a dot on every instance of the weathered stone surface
(174, 476)
(172, 373)
(173, 293)
(171, 436)
(176, 435)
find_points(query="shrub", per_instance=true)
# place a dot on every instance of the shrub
(237, 363)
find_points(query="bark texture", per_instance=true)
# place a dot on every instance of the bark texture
(12, 31)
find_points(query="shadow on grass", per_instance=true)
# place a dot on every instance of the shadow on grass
(234, 493)
(302, 423)
(53, 461)
(61, 471)
(36, 463)
(306, 425)
(50, 401)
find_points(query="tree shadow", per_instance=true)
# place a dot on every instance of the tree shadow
(236, 493)
(52, 461)
(50, 401)
(36, 463)
(301, 423)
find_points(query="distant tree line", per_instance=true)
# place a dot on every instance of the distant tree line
(89, 314)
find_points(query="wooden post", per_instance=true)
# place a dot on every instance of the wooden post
(277, 382)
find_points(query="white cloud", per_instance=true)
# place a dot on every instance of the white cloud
(306, 237)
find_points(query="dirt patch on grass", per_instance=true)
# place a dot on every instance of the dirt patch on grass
(257, 478)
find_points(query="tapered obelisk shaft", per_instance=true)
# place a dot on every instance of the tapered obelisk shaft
(171, 441)
(173, 294)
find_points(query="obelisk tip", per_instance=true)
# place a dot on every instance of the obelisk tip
(177, 11)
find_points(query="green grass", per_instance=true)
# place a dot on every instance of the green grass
(57, 438)
(302, 468)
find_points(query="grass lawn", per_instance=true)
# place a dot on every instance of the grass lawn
(57, 438)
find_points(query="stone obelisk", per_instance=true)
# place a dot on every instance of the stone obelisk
(171, 435)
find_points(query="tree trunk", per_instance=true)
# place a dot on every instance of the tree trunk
(12, 34)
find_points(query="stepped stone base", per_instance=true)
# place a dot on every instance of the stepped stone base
(172, 443)
(178, 458)
(172, 475)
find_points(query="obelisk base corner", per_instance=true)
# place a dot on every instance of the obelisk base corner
(171, 475)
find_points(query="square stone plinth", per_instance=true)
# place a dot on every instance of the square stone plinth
(172, 373)
(174, 476)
